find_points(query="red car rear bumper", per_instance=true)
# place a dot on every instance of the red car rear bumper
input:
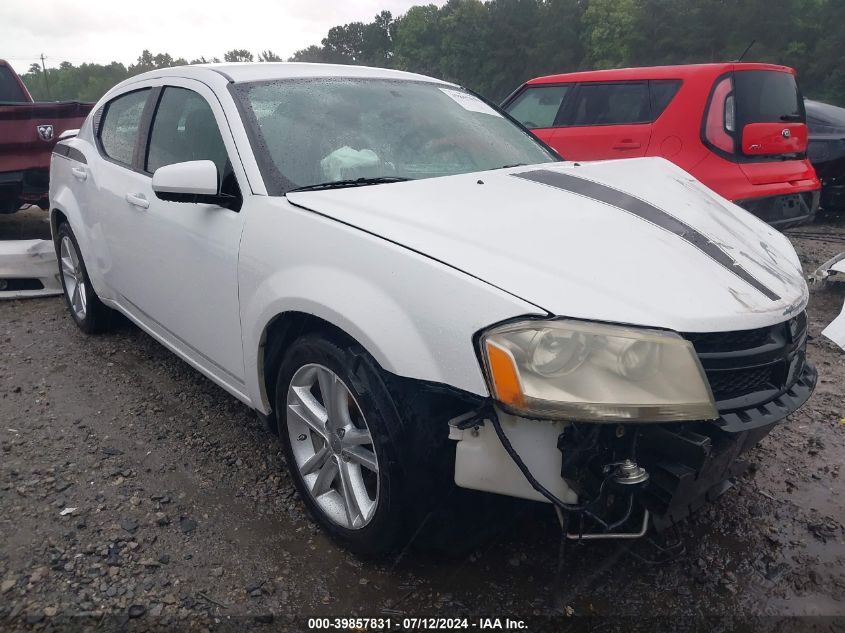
(783, 194)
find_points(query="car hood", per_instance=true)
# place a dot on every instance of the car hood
(635, 241)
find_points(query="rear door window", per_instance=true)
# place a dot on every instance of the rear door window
(10, 91)
(620, 103)
(767, 96)
(538, 106)
(118, 129)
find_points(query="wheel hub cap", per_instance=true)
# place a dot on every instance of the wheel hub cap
(71, 269)
(332, 446)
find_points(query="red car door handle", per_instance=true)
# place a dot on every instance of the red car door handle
(627, 144)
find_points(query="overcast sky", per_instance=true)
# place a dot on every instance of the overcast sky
(118, 30)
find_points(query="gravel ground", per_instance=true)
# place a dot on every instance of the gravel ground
(136, 494)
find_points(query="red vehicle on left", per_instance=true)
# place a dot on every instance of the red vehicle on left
(28, 132)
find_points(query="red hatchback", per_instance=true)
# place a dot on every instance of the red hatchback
(738, 127)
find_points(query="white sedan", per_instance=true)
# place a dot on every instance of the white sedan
(416, 293)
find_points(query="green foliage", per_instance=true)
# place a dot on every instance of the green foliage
(238, 55)
(495, 45)
(269, 56)
(89, 82)
(86, 82)
(492, 46)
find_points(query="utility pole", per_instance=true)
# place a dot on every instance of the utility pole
(44, 70)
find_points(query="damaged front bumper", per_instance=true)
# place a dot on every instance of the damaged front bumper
(686, 464)
(28, 268)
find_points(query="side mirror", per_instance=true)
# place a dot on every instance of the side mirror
(192, 181)
(68, 134)
(766, 139)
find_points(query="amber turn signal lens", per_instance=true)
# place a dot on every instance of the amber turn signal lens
(504, 376)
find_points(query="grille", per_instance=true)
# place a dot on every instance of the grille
(746, 368)
(729, 341)
(738, 382)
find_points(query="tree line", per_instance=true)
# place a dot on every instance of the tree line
(89, 82)
(492, 46)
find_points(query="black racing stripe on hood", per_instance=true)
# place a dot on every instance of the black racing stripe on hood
(646, 211)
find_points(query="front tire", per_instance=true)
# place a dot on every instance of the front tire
(88, 312)
(338, 424)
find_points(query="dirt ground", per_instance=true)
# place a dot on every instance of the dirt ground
(135, 493)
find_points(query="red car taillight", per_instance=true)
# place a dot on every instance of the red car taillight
(721, 116)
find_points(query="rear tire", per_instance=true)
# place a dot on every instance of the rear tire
(85, 307)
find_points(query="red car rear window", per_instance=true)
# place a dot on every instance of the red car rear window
(767, 96)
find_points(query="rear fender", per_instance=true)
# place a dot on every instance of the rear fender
(63, 202)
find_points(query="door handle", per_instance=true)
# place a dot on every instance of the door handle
(627, 144)
(137, 200)
(79, 173)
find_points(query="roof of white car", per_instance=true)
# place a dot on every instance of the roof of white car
(264, 71)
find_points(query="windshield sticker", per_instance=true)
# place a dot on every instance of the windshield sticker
(642, 209)
(469, 102)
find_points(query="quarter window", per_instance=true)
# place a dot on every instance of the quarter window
(662, 93)
(611, 104)
(537, 106)
(119, 127)
(184, 129)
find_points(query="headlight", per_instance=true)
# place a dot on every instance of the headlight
(575, 370)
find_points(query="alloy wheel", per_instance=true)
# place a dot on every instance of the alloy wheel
(332, 446)
(75, 288)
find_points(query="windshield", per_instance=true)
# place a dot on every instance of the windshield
(316, 131)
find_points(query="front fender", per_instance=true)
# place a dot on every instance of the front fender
(414, 315)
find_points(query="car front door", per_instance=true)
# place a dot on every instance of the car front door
(185, 283)
(605, 120)
(537, 107)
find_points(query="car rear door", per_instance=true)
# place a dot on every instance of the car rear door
(110, 174)
(185, 284)
(605, 120)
